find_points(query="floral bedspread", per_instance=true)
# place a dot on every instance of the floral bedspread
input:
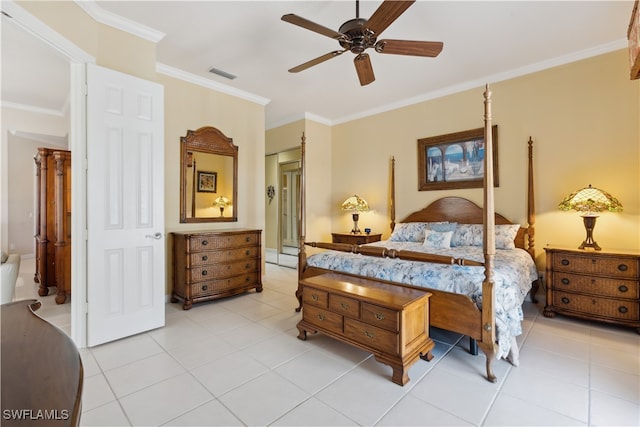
(514, 271)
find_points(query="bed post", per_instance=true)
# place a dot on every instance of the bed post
(392, 202)
(488, 342)
(302, 256)
(531, 220)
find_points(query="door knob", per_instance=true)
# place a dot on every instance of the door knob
(156, 236)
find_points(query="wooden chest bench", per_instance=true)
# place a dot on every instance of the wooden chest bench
(392, 322)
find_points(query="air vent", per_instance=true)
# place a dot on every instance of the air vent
(219, 72)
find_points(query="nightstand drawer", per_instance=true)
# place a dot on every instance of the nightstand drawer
(596, 264)
(605, 307)
(596, 285)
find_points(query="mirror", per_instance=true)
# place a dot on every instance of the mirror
(208, 177)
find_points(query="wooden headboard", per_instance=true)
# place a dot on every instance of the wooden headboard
(463, 211)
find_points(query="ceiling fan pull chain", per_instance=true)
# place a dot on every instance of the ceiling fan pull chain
(357, 9)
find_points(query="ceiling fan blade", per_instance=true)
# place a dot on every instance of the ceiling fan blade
(409, 47)
(388, 12)
(305, 23)
(316, 61)
(364, 69)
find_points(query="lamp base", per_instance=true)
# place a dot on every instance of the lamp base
(355, 230)
(589, 225)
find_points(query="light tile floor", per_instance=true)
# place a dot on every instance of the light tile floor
(238, 362)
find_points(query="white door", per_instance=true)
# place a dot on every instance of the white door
(125, 205)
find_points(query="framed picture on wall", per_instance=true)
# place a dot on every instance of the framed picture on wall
(455, 160)
(207, 181)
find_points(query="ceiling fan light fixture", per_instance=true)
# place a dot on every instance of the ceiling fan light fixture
(219, 72)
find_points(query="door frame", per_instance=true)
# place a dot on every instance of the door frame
(78, 59)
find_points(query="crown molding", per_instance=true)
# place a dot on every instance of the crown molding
(111, 19)
(33, 109)
(204, 82)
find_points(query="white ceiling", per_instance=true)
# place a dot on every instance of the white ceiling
(484, 42)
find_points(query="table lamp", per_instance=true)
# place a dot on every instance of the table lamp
(221, 202)
(590, 201)
(355, 204)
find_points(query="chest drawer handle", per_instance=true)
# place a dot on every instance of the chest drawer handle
(314, 297)
(622, 309)
(248, 252)
(205, 258)
(205, 272)
(248, 239)
(344, 306)
(565, 300)
(565, 262)
(369, 335)
(247, 266)
(623, 267)
(205, 243)
(623, 288)
(379, 316)
(321, 316)
(565, 281)
(204, 287)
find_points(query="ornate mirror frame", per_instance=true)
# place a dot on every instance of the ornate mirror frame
(205, 141)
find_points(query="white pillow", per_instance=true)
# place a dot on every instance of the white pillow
(437, 239)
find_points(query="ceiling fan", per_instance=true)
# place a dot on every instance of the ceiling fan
(357, 35)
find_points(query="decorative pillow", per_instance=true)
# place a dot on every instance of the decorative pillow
(467, 235)
(408, 232)
(437, 239)
(442, 226)
(471, 235)
(505, 235)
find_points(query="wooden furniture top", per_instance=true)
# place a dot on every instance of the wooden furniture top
(42, 372)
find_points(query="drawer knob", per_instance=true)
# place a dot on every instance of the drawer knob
(205, 258)
(565, 262)
(204, 287)
(248, 239)
(565, 300)
(565, 281)
(622, 309)
(344, 306)
(248, 252)
(379, 316)
(623, 288)
(321, 316)
(247, 266)
(623, 267)
(205, 243)
(369, 335)
(314, 297)
(205, 272)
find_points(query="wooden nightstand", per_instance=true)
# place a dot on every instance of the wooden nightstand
(594, 285)
(355, 239)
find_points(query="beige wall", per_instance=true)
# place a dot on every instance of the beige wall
(584, 121)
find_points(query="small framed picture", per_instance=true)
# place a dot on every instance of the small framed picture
(207, 181)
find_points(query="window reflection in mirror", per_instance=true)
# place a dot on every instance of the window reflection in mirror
(209, 177)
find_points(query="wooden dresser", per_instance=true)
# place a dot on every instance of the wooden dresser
(355, 239)
(390, 321)
(209, 265)
(53, 222)
(594, 285)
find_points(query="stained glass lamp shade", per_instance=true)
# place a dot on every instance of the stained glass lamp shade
(590, 201)
(355, 204)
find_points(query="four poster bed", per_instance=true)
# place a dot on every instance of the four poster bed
(477, 265)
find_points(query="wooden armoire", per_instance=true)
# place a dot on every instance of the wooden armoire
(53, 222)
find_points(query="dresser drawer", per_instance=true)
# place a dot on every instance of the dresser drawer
(315, 297)
(209, 242)
(376, 338)
(323, 318)
(381, 317)
(604, 307)
(619, 288)
(596, 264)
(202, 258)
(346, 306)
(209, 287)
(205, 272)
